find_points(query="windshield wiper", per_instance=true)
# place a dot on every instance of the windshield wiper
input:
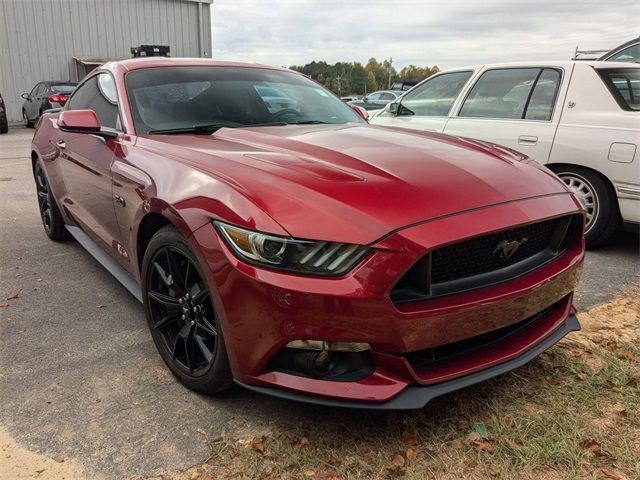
(206, 129)
(311, 122)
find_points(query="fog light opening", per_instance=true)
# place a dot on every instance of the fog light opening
(314, 363)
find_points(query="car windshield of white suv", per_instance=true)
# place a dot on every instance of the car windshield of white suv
(624, 85)
(204, 99)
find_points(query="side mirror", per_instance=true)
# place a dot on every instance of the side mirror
(25, 96)
(83, 121)
(392, 108)
(362, 113)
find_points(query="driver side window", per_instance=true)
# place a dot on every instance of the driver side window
(98, 94)
(435, 97)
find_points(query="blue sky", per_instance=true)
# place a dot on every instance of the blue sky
(447, 34)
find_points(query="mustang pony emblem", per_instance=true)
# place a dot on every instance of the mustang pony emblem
(508, 248)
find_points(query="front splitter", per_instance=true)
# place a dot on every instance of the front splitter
(416, 397)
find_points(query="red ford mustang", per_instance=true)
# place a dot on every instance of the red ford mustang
(279, 241)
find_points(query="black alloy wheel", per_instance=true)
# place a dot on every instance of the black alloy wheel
(44, 204)
(49, 213)
(181, 315)
(181, 311)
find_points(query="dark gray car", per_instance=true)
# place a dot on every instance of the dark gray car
(4, 125)
(44, 96)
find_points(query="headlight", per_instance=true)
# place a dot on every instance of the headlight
(283, 253)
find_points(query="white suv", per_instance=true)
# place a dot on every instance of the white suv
(581, 119)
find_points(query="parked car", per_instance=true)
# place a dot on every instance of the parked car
(627, 52)
(377, 100)
(581, 119)
(4, 124)
(45, 95)
(304, 253)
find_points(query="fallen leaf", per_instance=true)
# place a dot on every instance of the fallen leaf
(410, 454)
(40, 471)
(14, 296)
(514, 445)
(257, 445)
(398, 460)
(410, 436)
(484, 446)
(594, 447)
(613, 473)
(3, 305)
(57, 459)
(309, 473)
(493, 471)
(628, 354)
(303, 442)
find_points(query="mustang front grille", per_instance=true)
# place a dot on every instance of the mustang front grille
(487, 260)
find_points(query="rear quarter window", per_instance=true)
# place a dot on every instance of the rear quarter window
(624, 85)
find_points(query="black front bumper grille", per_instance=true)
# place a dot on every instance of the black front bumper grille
(488, 259)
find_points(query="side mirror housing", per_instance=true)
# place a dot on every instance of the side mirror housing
(392, 108)
(25, 96)
(83, 121)
(362, 113)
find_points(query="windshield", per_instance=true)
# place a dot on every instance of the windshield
(63, 88)
(178, 99)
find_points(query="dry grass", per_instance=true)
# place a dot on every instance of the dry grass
(572, 413)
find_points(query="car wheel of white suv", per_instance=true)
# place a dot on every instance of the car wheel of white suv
(598, 199)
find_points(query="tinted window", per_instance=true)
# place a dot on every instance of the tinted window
(543, 98)
(435, 97)
(624, 84)
(89, 97)
(629, 54)
(35, 90)
(63, 88)
(373, 97)
(184, 97)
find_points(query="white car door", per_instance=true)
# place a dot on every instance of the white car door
(514, 107)
(427, 105)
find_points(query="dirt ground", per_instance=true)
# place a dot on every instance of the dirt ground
(580, 375)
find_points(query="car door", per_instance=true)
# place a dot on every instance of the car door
(42, 98)
(86, 160)
(427, 106)
(385, 98)
(31, 105)
(514, 107)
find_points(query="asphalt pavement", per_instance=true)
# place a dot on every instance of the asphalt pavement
(80, 377)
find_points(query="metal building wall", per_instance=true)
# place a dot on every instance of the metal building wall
(40, 38)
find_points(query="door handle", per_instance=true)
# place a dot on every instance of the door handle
(61, 144)
(527, 140)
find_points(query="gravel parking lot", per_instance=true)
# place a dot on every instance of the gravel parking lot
(80, 379)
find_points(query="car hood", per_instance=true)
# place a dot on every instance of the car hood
(356, 183)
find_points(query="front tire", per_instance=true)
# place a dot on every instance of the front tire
(27, 123)
(598, 199)
(49, 213)
(181, 315)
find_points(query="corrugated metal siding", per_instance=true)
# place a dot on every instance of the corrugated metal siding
(40, 38)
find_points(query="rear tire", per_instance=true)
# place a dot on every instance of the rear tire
(598, 198)
(181, 315)
(49, 212)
